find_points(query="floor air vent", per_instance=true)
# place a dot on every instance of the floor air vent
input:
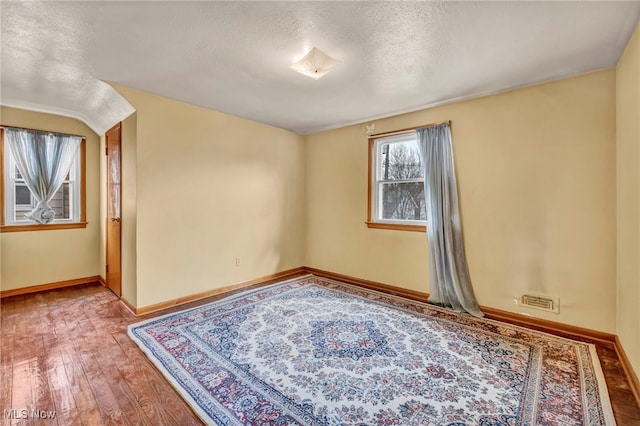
(540, 302)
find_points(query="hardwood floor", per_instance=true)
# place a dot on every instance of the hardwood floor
(67, 350)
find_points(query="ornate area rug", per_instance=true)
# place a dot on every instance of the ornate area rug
(312, 351)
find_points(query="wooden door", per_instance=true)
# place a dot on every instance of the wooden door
(114, 192)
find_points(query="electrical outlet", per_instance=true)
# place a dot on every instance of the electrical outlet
(238, 261)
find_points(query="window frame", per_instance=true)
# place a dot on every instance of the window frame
(81, 222)
(373, 194)
(73, 182)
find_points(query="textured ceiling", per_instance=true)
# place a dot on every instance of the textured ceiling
(234, 57)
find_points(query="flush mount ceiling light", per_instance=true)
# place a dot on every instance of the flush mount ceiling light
(315, 64)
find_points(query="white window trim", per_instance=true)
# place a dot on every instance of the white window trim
(10, 196)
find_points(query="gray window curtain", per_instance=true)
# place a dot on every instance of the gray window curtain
(43, 159)
(450, 283)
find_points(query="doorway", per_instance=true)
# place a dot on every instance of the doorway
(114, 210)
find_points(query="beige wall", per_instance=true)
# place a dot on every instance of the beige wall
(536, 175)
(211, 187)
(628, 186)
(41, 257)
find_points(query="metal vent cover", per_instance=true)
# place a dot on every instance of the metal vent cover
(544, 303)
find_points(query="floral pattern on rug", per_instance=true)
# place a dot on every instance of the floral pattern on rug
(313, 351)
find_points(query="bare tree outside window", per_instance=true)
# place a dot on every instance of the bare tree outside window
(401, 184)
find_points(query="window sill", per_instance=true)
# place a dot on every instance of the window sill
(48, 227)
(396, 226)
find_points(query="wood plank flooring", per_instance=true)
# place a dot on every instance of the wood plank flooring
(67, 351)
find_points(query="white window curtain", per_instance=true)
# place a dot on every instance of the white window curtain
(43, 159)
(450, 283)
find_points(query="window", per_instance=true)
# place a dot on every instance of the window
(68, 202)
(396, 183)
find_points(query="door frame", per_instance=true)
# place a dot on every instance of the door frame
(116, 288)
